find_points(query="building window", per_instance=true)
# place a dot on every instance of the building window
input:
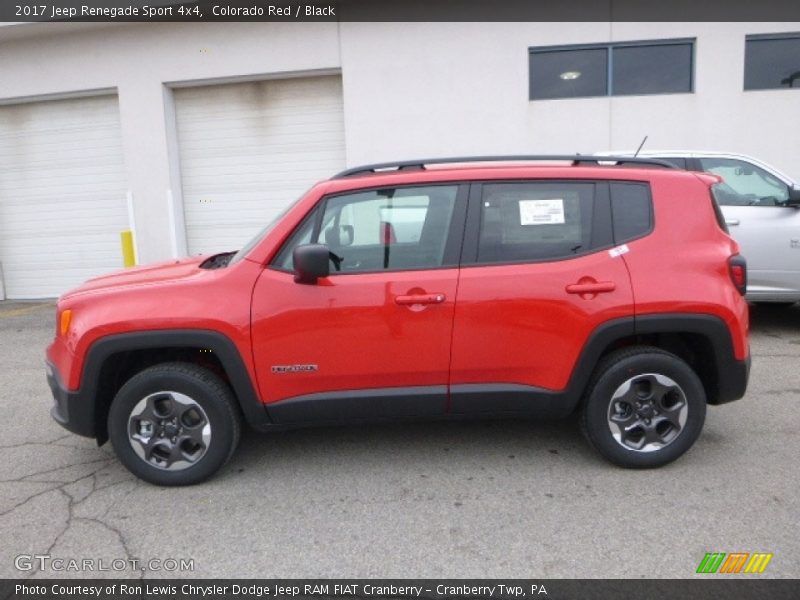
(619, 69)
(772, 62)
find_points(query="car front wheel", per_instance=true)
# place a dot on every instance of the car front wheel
(174, 424)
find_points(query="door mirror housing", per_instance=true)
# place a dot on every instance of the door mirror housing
(794, 196)
(311, 261)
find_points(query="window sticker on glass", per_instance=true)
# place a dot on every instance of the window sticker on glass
(541, 212)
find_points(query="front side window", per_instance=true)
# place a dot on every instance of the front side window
(772, 62)
(378, 230)
(618, 69)
(745, 184)
(535, 221)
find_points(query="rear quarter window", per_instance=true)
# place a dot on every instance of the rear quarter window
(632, 211)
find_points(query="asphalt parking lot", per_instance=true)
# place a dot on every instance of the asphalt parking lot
(478, 499)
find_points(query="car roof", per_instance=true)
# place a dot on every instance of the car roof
(506, 159)
(358, 178)
(700, 154)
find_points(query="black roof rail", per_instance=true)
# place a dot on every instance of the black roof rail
(575, 159)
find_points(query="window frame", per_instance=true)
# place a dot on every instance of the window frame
(609, 47)
(455, 233)
(757, 37)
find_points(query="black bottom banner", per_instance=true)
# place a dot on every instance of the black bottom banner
(433, 589)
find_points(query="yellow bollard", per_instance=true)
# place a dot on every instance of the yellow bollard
(128, 259)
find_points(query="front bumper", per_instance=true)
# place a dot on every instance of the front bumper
(70, 410)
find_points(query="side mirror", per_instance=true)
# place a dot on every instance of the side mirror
(794, 196)
(311, 261)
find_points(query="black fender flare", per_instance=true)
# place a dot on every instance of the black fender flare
(733, 373)
(219, 344)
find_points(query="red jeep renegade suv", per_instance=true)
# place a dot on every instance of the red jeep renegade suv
(452, 288)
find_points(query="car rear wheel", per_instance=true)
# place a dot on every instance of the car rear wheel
(644, 407)
(174, 424)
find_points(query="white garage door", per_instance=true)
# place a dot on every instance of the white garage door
(62, 194)
(247, 150)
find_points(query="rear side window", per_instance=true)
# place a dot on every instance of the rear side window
(632, 210)
(535, 221)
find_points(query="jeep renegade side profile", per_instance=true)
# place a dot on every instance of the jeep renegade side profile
(447, 288)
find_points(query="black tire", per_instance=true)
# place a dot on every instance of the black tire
(647, 410)
(208, 430)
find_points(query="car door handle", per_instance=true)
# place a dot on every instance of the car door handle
(731, 221)
(597, 287)
(411, 299)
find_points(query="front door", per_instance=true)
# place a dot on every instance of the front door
(372, 340)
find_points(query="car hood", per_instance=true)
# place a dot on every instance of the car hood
(166, 271)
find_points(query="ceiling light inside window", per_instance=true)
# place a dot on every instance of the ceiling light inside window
(570, 75)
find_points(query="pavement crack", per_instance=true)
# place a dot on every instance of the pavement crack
(27, 477)
(31, 497)
(60, 485)
(103, 522)
(61, 534)
(130, 558)
(72, 518)
(50, 443)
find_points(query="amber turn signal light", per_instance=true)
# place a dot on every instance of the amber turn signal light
(66, 317)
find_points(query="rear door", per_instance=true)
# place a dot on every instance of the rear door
(540, 273)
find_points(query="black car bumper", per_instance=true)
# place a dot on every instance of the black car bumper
(70, 409)
(732, 380)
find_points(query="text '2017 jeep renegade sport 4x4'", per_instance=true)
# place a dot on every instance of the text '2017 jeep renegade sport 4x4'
(441, 288)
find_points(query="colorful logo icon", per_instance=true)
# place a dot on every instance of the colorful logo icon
(735, 562)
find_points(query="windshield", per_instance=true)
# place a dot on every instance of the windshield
(745, 184)
(260, 235)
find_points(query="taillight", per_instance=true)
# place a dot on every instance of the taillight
(737, 266)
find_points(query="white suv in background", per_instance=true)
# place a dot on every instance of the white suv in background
(761, 207)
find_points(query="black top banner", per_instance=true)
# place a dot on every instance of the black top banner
(398, 10)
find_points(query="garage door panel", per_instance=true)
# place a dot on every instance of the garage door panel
(287, 155)
(247, 150)
(46, 186)
(281, 180)
(280, 128)
(62, 194)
